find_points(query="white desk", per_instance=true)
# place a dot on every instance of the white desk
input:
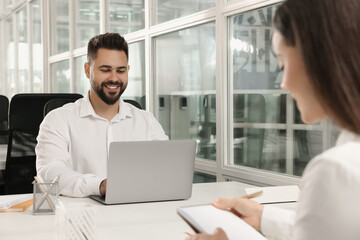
(157, 220)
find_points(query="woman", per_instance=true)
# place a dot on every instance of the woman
(317, 43)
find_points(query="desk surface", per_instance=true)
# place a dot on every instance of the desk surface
(156, 220)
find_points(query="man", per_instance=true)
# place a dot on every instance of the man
(74, 140)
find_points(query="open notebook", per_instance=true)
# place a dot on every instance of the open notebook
(206, 218)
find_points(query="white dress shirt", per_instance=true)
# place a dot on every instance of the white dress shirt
(73, 141)
(329, 203)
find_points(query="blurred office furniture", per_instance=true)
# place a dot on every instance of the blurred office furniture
(248, 141)
(25, 115)
(4, 116)
(192, 116)
(164, 115)
(206, 126)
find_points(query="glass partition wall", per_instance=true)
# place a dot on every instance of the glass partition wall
(205, 68)
(265, 129)
(167, 10)
(36, 55)
(59, 26)
(185, 99)
(10, 58)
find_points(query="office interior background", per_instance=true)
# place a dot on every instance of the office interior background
(205, 68)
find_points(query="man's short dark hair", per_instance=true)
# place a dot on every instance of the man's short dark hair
(112, 41)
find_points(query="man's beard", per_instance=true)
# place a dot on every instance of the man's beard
(112, 97)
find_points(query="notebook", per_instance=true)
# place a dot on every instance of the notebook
(147, 171)
(276, 194)
(206, 218)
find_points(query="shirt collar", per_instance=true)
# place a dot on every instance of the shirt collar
(86, 107)
(124, 111)
(347, 136)
(88, 110)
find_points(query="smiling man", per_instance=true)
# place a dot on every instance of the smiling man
(73, 140)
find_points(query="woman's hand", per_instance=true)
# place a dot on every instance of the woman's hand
(219, 234)
(248, 210)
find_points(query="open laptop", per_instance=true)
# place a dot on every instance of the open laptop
(146, 171)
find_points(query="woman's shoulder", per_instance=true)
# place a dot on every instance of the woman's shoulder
(326, 207)
(344, 158)
(349, 151)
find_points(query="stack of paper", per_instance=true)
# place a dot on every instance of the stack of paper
(277, 194)
(8, 201)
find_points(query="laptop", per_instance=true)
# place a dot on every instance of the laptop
(148, 171)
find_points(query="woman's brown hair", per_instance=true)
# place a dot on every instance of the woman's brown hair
(327, 33)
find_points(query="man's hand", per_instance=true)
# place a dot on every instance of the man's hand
(102, 187)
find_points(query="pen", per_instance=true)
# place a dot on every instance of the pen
(12, 210)
(46, 193)
(253, 195)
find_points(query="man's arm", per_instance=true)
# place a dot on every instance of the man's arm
(156, 130)
(53, 158)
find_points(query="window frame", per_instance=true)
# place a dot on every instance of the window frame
(221, 13)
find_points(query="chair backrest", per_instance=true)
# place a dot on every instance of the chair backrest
(4, 116)
(133, 102)
(56, 103)
(25, 115)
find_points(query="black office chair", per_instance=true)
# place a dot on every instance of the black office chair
(133, 102)
(25, 115)
(56, 103)
(4, 116)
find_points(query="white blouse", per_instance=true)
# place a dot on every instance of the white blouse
(74, 141)
(329, 203)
